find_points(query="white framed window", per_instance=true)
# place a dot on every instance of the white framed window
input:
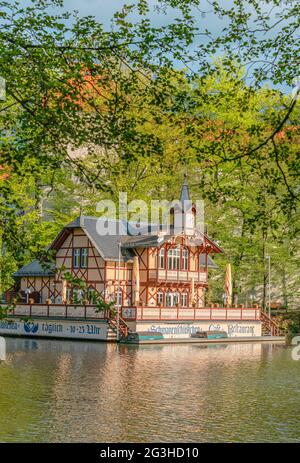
(92, 295)
(169, 299)
(119, 297)
(84, 257)
(185, 259)
(161, 258)
(76, 257)
(77, 295)
(172, 299)
(176, 297)
(160, 297)
(184, 299)
(174, 258)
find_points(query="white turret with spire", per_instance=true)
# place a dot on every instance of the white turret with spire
(184, 212)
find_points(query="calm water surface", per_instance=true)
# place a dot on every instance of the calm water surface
(60, 391)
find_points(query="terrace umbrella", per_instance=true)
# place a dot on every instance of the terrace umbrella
(228, 284)
(136, 280)
(193, 290)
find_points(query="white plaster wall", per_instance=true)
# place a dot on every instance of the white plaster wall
(184, 330)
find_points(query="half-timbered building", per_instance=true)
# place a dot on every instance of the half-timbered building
(157, 279)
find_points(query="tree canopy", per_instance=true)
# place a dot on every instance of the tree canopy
(91, 112)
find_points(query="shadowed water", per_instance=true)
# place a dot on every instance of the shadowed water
(60, 391)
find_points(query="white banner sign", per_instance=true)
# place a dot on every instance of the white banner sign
(56, 329)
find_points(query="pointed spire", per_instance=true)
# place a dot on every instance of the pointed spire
(185, 196)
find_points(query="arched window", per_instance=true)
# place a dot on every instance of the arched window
(172, 299)
(185, 259)
(161, 258)
(169, 299)
(174, 258)
(176, 297)
(184, 299)
(160, 298)
(119, 297)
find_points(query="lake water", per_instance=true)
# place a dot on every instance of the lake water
(61, 391)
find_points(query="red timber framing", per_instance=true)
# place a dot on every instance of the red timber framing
(152, 284)
(93, 274)
(99, 275)
(102, 275)
(43, 285)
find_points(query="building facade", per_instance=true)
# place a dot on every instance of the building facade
(156, 279)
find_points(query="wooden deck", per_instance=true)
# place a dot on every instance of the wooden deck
(143, 314)
(253, 339)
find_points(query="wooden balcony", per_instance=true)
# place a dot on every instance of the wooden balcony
(189, 314)
(177, 276)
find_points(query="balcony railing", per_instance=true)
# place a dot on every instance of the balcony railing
(189, 314)
(58, 311)
(177, 275)
(137, 313)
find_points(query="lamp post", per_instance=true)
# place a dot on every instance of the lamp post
(119, 291)
(27, 292)
(269, 290)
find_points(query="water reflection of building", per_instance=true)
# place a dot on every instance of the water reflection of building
(107, 393)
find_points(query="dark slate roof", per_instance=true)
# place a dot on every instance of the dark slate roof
(36, 269)
(106, 234)
(107, 245)
(144, 241)
(210, 262)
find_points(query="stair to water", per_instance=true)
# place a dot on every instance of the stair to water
(113, 328)
(269, 326)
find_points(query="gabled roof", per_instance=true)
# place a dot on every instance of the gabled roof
(210, 262)
(95, 228)
(36, 269)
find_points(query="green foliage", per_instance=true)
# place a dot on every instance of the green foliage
(79, 283)
(91, 113)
